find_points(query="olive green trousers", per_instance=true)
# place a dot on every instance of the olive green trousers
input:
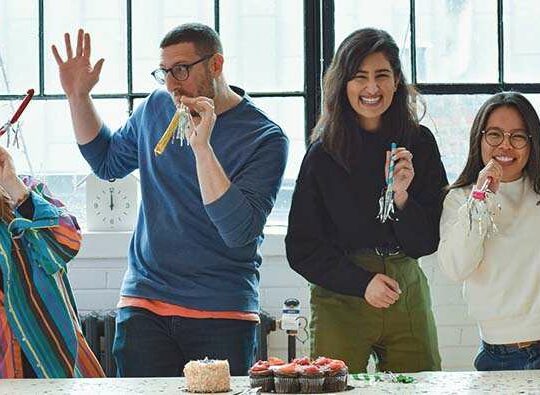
(402, 338)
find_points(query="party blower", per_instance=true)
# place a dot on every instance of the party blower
(480, 215)
(8, 126)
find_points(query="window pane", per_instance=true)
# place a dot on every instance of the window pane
(521, 32)
(451, 37)
(48, 134)
(288, 113)
(450, 118)
(19, 54)
(535, 101)
(105, 20)
(274, 63)
(71, 191)
(152, 19)
(389, 15)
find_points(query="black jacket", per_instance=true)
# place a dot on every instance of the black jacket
(333, 211)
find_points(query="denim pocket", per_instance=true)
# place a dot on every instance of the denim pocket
(489, 359)
(479, 360)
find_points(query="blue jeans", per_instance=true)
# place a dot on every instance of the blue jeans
(149, 345)
(502, 357)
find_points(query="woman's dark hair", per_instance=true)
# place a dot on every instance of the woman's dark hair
(205, 39)
(474, 163)
(334, 127)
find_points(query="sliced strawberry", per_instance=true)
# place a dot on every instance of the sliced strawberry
(301, 361)
(260, 366)
(289, 368)
(311, 370)
(272, 361)
(336, 364)
(321, 361)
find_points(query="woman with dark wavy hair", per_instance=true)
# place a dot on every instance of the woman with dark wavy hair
(499, 266)
(368, 294)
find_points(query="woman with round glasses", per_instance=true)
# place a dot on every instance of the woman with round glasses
(500, 270)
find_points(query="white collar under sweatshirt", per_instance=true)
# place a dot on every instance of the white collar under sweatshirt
(500, 273)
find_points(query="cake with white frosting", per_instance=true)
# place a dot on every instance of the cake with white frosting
(207, 375)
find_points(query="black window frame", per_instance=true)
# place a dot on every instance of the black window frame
(318, 52)
(327, 45)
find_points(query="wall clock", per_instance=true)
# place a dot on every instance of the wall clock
(111, 205)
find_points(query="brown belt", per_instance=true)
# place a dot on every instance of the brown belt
(523, 344)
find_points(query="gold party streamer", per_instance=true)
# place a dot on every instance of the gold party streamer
(169, 133)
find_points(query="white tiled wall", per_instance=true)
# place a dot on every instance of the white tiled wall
(96, 276)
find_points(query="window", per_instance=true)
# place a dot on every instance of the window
(464, 51)
(494, 48)
(127, 34)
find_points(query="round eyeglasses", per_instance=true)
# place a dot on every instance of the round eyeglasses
(179, 71)
(519, 139)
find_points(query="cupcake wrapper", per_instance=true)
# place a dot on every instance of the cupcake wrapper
(335, 383)
(286, 385)
(266, 383)
(311, 385)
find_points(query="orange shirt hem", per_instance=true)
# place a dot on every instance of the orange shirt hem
(167, 309)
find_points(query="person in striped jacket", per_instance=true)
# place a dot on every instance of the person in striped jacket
(40, 335)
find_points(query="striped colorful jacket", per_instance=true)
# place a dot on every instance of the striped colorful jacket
(38, 305)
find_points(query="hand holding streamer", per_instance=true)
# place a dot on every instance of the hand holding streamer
(386, 201)
(177, 129)
(478, 209)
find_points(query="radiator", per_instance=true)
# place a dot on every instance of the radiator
(98, 329)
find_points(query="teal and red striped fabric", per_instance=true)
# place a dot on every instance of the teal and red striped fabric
(38, 302)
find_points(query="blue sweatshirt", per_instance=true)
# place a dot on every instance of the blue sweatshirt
(183, 252)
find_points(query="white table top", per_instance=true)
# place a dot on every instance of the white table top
(509, 382)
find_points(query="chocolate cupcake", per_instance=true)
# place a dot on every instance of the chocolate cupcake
(286, 378)
(260, 375)
(336, 374)
(311, 379)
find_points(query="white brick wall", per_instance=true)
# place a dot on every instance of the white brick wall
(96, 275)
(458, 335)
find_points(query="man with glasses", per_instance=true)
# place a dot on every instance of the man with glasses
(191, 287)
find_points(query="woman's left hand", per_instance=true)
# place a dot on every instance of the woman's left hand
(403, 174)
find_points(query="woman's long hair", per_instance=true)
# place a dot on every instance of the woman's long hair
(474, 164)
(335, 127)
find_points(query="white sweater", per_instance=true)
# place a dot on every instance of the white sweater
(500, 273)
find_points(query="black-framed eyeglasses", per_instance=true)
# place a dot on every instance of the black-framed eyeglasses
(519, 139)
(179, 71)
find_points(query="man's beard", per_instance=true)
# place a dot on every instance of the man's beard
(205, 89)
